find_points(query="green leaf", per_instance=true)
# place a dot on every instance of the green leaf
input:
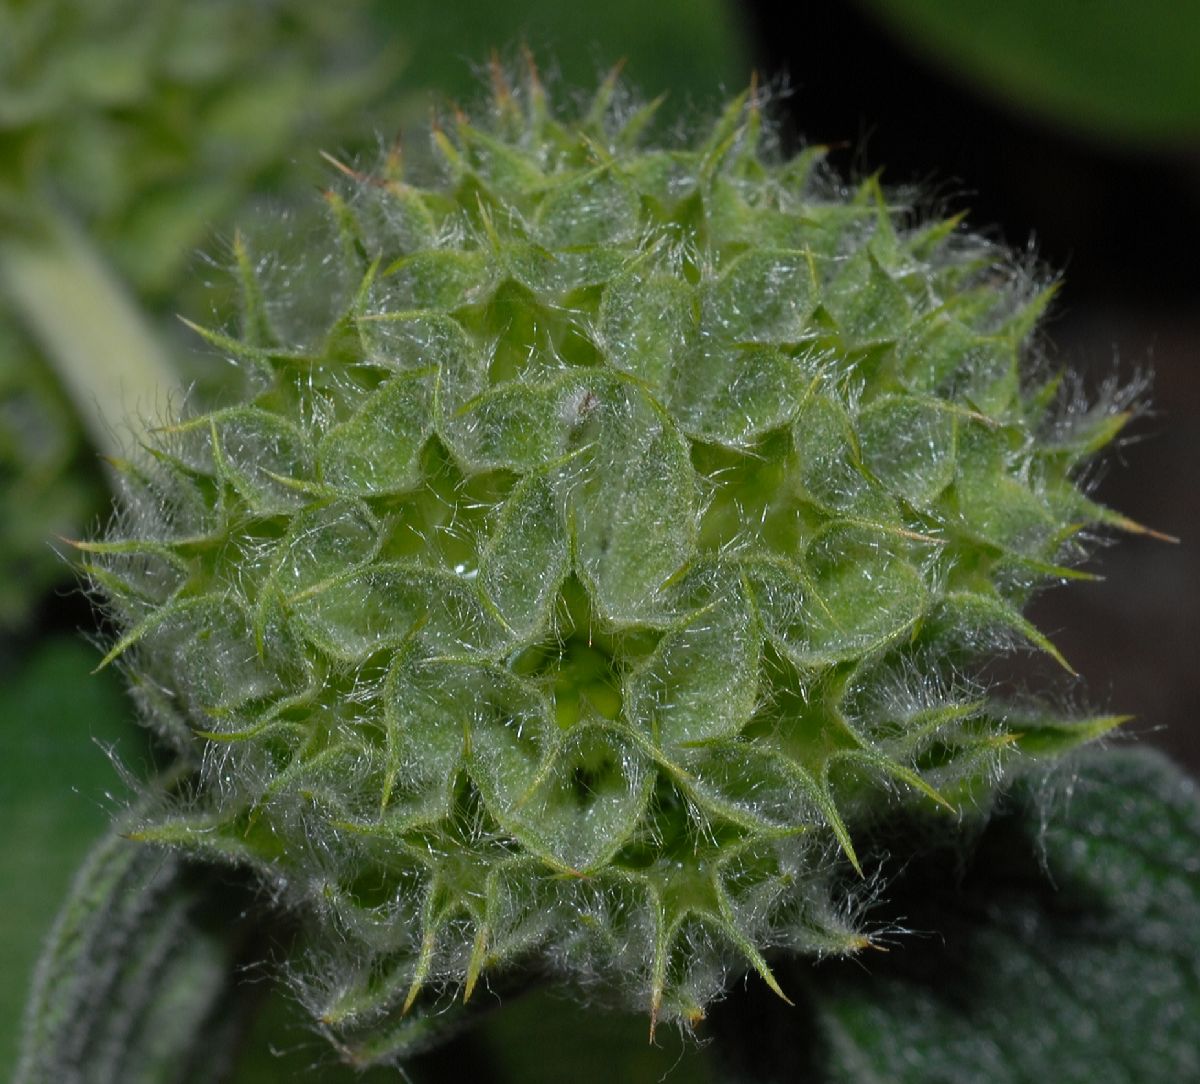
(646, 324)
(909, 444)
(990, 503)
(1113, 70)
(518, 426)
(1067, 949)
(259, 453)
(830, 460)
(386, 604)
(763, 296)
(216, 670)
(758, 789)
(1044, 735)
(733, 394)
(701, 682)
(972, 611)
(323, 542)
(598, 208)
(501, 722)
(867, 302)
(437, 279)
(866, 594)
(586, 800)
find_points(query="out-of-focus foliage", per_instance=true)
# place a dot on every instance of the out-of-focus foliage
(57, 721)
(129, 939)
(48, 486)
(1113, 69)
(150, 123)
(692, 50)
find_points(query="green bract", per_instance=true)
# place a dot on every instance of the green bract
(608, 531)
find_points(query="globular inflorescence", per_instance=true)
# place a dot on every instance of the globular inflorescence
(608, 531)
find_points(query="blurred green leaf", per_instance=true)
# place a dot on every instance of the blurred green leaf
(695, 49)
(53, 796)
(1117, 70)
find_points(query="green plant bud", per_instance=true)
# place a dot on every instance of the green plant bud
(609, 530)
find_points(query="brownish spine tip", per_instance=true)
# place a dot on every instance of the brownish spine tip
(614, 73)
(344, 169)
(501, 91)
(1133, 527)
(531, 68)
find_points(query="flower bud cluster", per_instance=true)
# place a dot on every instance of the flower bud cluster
(623, 537)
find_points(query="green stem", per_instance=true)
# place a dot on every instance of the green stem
(107, 357)
(128, 979)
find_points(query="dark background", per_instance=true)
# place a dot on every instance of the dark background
(1122, 222)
